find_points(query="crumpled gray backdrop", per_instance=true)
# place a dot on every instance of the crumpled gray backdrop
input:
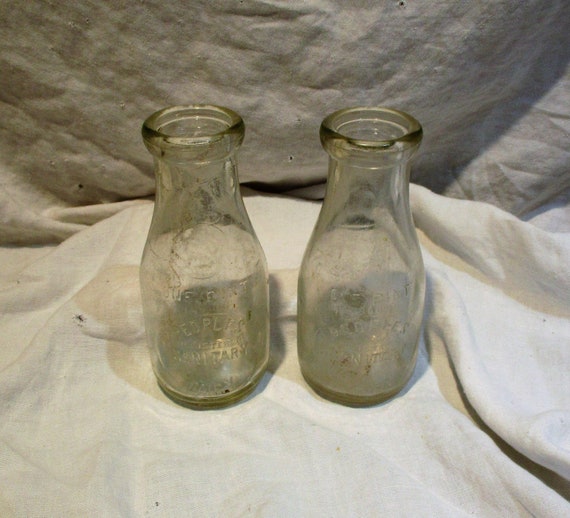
(488, 80)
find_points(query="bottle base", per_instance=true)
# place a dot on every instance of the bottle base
(352, 400)
(211, 402)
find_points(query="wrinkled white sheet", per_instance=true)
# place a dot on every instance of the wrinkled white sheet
(482, 429)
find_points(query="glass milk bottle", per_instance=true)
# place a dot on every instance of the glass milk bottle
(204, 279)
(362, 281)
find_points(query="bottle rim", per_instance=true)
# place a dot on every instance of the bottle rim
(192, 124)
(369, 128)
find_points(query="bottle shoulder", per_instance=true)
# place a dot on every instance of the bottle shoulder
(351, 251)
(205, 250)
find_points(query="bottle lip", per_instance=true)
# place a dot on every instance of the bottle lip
(191, 125)
(370, 128)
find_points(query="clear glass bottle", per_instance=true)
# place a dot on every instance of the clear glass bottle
(204, 278)
(362, 281)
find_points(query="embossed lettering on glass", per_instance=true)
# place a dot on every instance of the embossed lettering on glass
(204, 278)
(362, 281)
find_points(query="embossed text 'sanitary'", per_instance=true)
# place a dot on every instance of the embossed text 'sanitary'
(369, 358)
(213, 353)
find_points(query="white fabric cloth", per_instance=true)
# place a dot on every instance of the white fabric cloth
(483, 427)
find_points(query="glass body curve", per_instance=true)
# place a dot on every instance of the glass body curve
(203, 275)
(362, 282)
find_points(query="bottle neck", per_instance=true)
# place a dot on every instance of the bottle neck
(193, 178)
(360, 195)
(198, 192)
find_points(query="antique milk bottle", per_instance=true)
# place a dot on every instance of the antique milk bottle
(362, 281)
(203, 275)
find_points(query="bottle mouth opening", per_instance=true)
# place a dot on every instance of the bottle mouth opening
(192, 124)
(371, 127)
